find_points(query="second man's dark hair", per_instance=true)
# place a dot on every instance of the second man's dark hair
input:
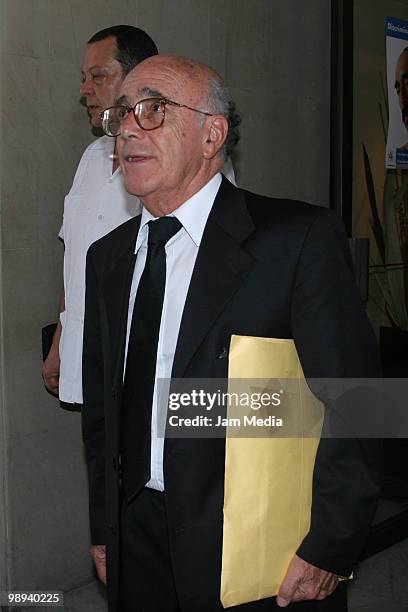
(133, 44)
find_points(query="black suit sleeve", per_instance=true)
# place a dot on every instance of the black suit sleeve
(335, 340)
(93, 422)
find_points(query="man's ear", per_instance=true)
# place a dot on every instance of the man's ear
(215, 134)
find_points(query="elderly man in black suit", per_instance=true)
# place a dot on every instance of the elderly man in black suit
(165, 292)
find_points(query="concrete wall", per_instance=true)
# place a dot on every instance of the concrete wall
(275, 57)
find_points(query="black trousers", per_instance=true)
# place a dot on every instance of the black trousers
(147, 582)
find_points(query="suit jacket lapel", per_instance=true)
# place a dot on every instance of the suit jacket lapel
(116, 290)
(221, 267)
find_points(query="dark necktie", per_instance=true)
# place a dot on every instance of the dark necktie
(141, 359)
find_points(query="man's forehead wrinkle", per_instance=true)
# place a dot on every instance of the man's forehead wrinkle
(95, 66)
(108, 66)
(138, 93)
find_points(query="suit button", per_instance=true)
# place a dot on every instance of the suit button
(114, 394)
(113, 529)
(114, 463)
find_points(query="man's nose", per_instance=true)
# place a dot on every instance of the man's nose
(130, 128)
(86, 88)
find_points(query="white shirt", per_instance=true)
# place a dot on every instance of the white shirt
(95, 205)
(181, 253)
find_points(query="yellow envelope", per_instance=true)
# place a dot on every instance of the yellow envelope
(268, 482)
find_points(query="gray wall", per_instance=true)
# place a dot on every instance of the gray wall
(275, 57)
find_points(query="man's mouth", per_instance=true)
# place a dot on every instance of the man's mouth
(93, 108)
(132, 159)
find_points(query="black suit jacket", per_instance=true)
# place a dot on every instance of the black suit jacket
(265, 267)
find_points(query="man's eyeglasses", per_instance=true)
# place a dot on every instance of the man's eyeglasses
(149, 114)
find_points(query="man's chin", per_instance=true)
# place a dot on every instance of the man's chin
(94, 117)
(94, 120)
(96, 128)
(137, 188)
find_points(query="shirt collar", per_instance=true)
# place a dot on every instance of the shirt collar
(192, 214)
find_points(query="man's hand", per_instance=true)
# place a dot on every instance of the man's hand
(304, 581)
(98, 554)
(51, 370)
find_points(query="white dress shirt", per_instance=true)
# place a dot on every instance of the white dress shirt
(95, 205)
(181, 253)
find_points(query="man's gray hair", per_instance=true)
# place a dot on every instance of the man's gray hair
(221, 103)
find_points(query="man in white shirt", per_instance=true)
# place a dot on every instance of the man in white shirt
(96, 203)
